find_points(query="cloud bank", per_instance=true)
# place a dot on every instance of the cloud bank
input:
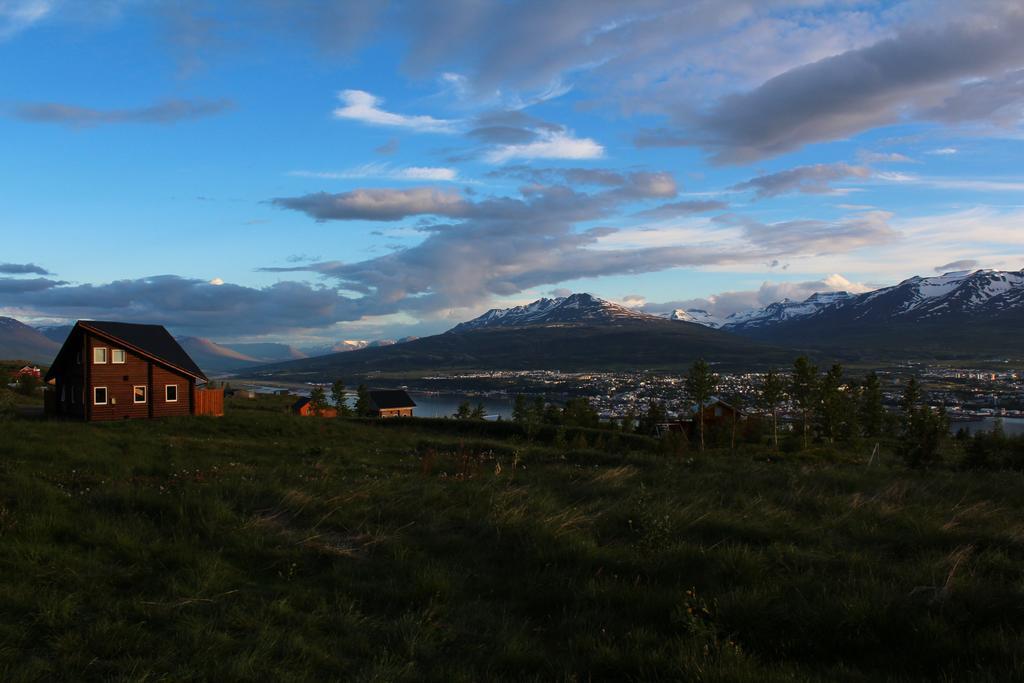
(165, 113)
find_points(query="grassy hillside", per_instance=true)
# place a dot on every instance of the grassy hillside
(642, 345)
(262, 546)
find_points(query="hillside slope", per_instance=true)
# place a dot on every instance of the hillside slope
(19, 341)
(649, 343)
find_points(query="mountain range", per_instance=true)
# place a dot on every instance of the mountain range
(958, 315)
(954, 315)
(577, 332)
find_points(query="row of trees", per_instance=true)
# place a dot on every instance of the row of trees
(339, 397)
(829, 408)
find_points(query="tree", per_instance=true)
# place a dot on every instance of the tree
(772, 391)
(922, 429)
(737, 400)
(339, 396)
(654, 416)
(551, 415)
(363, 404)
(830, 404)
(8, 407)
(629, 421)
(463, 412)
(520, 410)
(803, 389)
(579, 413)
(700, 385)
(909, 401)
(870, 408)
(28, 384)
(479, 413)
(317, 399)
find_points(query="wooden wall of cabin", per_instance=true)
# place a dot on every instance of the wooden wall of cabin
(120, 379)
(161, 407)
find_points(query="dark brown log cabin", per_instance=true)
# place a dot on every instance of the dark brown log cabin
(391, 403)
(121, 371)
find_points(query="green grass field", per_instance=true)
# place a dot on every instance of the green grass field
(262, 546)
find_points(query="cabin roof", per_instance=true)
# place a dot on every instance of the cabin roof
(149, 340)
(301, 402)
(713, 401)
(390, 399)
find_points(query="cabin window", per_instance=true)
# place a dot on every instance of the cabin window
(99, 355)
(78, 358)
(99, 396)
(171, 393)
(140, 393)
(718, 411)
(62, 393)
(117, 356)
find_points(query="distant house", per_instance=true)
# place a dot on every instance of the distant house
(121, 371)
(391, 403)
(717, 413)
(305, 408)
(27, 371)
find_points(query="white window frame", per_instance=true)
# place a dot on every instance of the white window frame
(113, 356)
(106, 396)
(171, 400)
(106, 355)
(145, 393)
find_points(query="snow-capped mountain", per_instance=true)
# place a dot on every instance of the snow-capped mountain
(576, 308)
(695, 315)
(784, 310)
(958, 294)
(955, 315)
(962, 293)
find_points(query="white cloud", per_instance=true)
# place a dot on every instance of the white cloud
(943, 151)
(869, 157)
(549, 145)
(982, 185)
(362, 106)
(217, 282)
(18, 15)
(723, 304)
(427, 173)
(385, 171)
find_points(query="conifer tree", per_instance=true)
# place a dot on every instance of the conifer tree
(363, 408)
(317, 399)
(870, 409)
(772, 391)
(700, 385)
(339, 395)
(803, 389)
(830, 404)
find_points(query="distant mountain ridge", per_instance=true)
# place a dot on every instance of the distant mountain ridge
(573, 309)
(957, 314)
(19, 341)
(577, 332)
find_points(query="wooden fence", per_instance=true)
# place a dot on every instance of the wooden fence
(210, 402)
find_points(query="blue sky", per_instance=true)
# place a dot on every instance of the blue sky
(357, 170)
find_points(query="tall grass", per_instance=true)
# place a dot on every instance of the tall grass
(262, 546)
